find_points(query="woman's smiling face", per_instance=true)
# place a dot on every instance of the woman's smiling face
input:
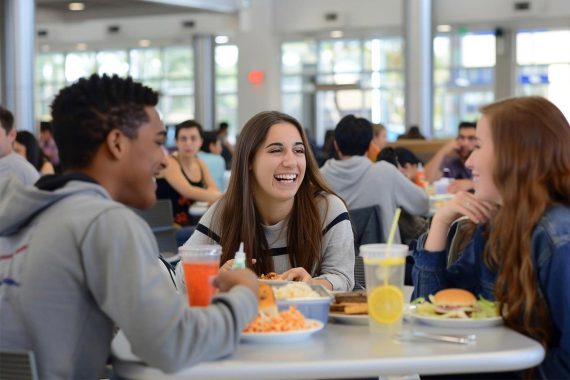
(279, 165)
(481, 164)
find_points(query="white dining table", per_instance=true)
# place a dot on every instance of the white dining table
(351, 351)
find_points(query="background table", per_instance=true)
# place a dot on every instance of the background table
(341, 351)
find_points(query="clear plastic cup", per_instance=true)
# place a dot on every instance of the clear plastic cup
(200, 264)
(384, 268)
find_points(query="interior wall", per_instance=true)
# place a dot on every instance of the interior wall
(262, 25)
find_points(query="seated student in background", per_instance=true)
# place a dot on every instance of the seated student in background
(280, 207)
(81, 262)
(378, 142)
(211, 154)
(452, 156)
(362, 183)
(186, 179)
(11, 163)
(411, 226)
(48, 145)
(26, 145)
(520, 252)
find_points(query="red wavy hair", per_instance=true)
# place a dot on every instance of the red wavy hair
(531, 170)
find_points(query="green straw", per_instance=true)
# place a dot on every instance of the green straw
(393, 229)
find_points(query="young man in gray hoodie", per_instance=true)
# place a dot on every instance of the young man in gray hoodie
(362, 183)
(77, 262)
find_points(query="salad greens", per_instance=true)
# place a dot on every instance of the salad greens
(482, 309)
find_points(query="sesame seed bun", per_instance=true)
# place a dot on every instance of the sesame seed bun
(454, 297)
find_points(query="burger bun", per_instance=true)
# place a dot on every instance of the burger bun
(454, 297)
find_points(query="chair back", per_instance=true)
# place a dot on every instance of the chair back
(17, 365)
(367, 228)
(161, 221)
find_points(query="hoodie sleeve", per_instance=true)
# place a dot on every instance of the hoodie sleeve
(124, 276)
(409, 196)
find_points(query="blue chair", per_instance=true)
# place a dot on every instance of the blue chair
(17, 365)
(367, 228)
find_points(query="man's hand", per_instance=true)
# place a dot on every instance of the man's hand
(228, 279)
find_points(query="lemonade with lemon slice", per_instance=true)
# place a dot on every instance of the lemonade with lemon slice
(384, 270)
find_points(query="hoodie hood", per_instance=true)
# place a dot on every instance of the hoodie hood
(19, 204)
(345, 173)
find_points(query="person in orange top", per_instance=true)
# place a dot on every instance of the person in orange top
(378, 142)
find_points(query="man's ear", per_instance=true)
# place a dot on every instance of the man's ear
(12, 135)
(116, 143)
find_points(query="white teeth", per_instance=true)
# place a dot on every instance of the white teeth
(288, 177)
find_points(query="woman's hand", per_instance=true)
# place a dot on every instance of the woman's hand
(463, 203)
(296, 274)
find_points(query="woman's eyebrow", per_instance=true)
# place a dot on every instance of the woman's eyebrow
(277, 144)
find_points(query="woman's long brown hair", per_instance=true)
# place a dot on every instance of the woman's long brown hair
(240, 220)
(531, 170)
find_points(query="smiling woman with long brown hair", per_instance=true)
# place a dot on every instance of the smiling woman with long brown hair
(520, 251)
(280, 207)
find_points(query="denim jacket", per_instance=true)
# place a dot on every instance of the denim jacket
(550, 247)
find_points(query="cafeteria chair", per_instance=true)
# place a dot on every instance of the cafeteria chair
(17, 365)
(161, 221)
(367, 229)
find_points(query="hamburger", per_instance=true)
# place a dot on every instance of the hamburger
(454, 303)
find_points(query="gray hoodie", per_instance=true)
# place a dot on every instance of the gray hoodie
(362, 183)
(75, 264)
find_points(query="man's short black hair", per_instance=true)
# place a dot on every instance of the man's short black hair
(85, 112)
(352, 135)
(45, 126)
(6, 119)
(187, 125)
(209, 138)
(467, 124)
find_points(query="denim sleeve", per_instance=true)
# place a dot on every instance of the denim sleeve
(555, 282)
(430, 272)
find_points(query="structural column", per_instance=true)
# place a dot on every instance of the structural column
(204, 72)
(504, 76)
(418, 37)
(17, 55)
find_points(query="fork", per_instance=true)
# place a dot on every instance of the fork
(460, 339)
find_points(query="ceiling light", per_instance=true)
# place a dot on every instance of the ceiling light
(76, 6)
(337, 34)
(81, 46)
(444, 28)
(222, 39)
(144, 43)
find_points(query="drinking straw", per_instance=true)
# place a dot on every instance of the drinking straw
(393, 229)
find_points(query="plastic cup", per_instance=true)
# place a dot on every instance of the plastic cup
(384, 268)
(200, 264)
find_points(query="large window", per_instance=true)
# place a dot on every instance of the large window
(464, 77)
(227, 86)
(543, 66)
(324, 80)
(169, 70)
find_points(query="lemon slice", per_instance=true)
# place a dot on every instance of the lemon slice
(386, 304)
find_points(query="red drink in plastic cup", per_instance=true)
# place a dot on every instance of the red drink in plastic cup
(200, 265)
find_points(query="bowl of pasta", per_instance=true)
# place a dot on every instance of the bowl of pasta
(310, 300)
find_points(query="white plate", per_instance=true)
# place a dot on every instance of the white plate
(283, 337)
(457, 323)
(349, 319)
